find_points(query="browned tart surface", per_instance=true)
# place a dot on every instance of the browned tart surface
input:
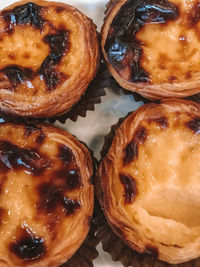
(49, 54)
(148, 184)
(46, 196)
(152, 47)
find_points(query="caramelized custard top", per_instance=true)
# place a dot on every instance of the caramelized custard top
(155, 42)
(150, 180)
(45, 195)
(32, 47)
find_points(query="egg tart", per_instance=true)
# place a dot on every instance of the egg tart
(148, 183)
(46, 195)
(48, 55)
(152, 47)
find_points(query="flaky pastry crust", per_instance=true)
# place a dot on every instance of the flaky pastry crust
(148, 184)
(49, 54)
(46, 195)
(151, 47)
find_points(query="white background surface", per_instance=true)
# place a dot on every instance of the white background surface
(96, 124)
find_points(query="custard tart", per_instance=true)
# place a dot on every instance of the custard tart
(148, 183)
(49, 53)
(46, 195)
(152, 47)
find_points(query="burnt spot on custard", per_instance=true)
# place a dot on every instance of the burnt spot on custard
(40, 138)
(71, 206)
(69, 178)
(17, 74)
(13, 157)
(59, 44)
(141, 134)
(59, 9)
(29, 13)
(131, 150)
(130, 189)
(52, 197)
(194, 125)
(57, 40)
(53, 194)
(65, 154)
(162, 122)
(122, 48)
(153, 251)
(28, 246)
(29, 129)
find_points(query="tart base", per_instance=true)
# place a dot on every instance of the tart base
(119, 251)
(87, 102)
(111, 243)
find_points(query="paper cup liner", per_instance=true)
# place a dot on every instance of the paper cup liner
(111, 243)
(87, 102)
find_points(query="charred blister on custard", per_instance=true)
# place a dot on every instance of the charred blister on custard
(194, 125)
(65, 154)
(131, 149)
(29, 129)
(59, 44)
(28, 247)
(40, 138)
(57, 40)
(140, 134)
(162, 122)
(69, 179)
(17, 74)
(29, 13)
(13, 157)
(122, 47)
(130, 188)
(52, 194)
(130, 152)
(52, 197)
(59, 9)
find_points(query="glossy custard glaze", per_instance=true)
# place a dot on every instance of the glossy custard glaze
(46, 196)
(54, 40)
(49, 54)
(156, 43)
(150, 180)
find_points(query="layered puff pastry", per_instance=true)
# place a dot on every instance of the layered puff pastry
(48, 55)
(46, 195)
(152, 47)
(148, 183)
